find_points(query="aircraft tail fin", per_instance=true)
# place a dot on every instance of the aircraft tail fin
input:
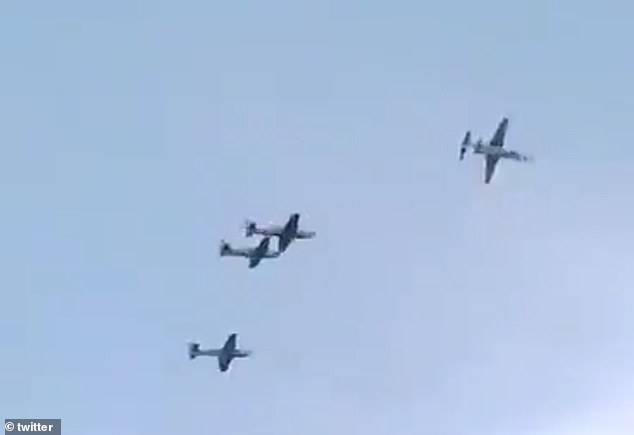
(224, 248)
(192, 350)
(249, 228)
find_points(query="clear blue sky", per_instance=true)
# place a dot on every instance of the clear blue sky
(135, 135)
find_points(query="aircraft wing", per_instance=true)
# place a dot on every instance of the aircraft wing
(225, 357)
(259, 252)
(500, 133)
(262, 248)
(292, 224)
(489, 167)
(254, 261)
(289, 231)
(230, 344)
(223, 364)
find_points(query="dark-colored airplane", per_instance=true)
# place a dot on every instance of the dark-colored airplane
(493, 151)
(254, 255)
(225, 355)
(285, 233)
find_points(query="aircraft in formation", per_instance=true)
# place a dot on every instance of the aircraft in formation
(492, 150)
(227, 353)
(255, 254)
(285, 233)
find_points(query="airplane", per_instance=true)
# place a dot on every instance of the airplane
(285, 233)
(255, 255)
(493, 151)
(225, 355)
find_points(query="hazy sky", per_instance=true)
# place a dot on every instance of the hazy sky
(136, 134)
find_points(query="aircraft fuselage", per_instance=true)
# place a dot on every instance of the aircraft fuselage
(249, 253)
(240, 353)
(208, 352)
(269, 231)
(498, 151)
(241, 252)
(305, 234)
(277, 231)
(488, 150)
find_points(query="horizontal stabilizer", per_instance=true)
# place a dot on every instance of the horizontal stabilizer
(465, 143)
(193, 349)
(249, 228)
(224, 248)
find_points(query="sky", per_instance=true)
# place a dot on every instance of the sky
(135, 135)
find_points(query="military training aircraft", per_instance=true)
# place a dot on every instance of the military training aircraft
(255, 255)
(225, 355)
(286, 233)
(493, 151)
